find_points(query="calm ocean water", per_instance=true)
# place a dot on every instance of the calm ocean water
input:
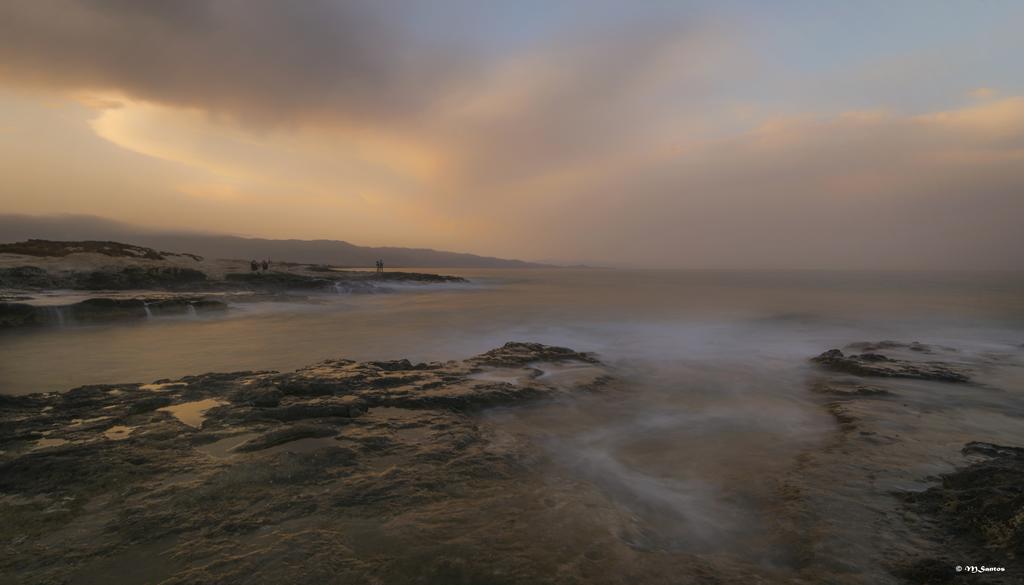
(624, 315)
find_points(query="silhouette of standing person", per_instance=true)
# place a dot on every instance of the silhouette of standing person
(254, 266)
(382, 267)
(265, 265)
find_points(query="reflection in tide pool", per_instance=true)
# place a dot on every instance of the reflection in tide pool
(192, 413)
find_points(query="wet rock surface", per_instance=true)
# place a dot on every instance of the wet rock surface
(977, 517)
(394, 472)
(880, 365)
(981, 504)
(518, 354)
(101, 309)
(971, 514)
(373, 472)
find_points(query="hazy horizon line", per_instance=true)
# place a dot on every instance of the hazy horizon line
(129, 229)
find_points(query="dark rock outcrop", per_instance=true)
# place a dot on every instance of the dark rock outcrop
(978, 511)
(875, 364)
(27, 277)
(261, 396)
(127, 278)
(515, 353)
(19, 315)
(137, 277)
(100, 310)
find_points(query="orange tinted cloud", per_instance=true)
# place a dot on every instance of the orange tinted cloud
(624, 144)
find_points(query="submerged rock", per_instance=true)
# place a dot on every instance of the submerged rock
(917, 346)
(876, 364)
(847, 390)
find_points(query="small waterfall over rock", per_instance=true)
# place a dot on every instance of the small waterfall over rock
(57, 314)
(149, 313)
(192, 311)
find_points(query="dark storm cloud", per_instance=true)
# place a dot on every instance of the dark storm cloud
(260, 60)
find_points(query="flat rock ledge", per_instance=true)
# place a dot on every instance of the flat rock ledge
(195, 472)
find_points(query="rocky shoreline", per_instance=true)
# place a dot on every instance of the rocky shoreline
(391, 472)
(971, 516)
(187, 470)
(167, 283)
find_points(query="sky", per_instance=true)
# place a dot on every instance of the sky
(731, 134)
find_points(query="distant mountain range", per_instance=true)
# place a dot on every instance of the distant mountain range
(15, 228)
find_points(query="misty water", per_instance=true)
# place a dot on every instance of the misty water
(713, 442)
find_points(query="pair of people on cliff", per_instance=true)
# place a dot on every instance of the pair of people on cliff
(254, 265)
(380, 266)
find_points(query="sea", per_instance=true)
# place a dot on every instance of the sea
(713, 434)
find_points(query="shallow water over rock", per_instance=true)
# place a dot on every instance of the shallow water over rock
(192, 413)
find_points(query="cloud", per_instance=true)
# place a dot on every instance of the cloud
(857, 190)
(260, 61)
(542, 116)
(983, 93)
(625, 143)
(359, 74)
